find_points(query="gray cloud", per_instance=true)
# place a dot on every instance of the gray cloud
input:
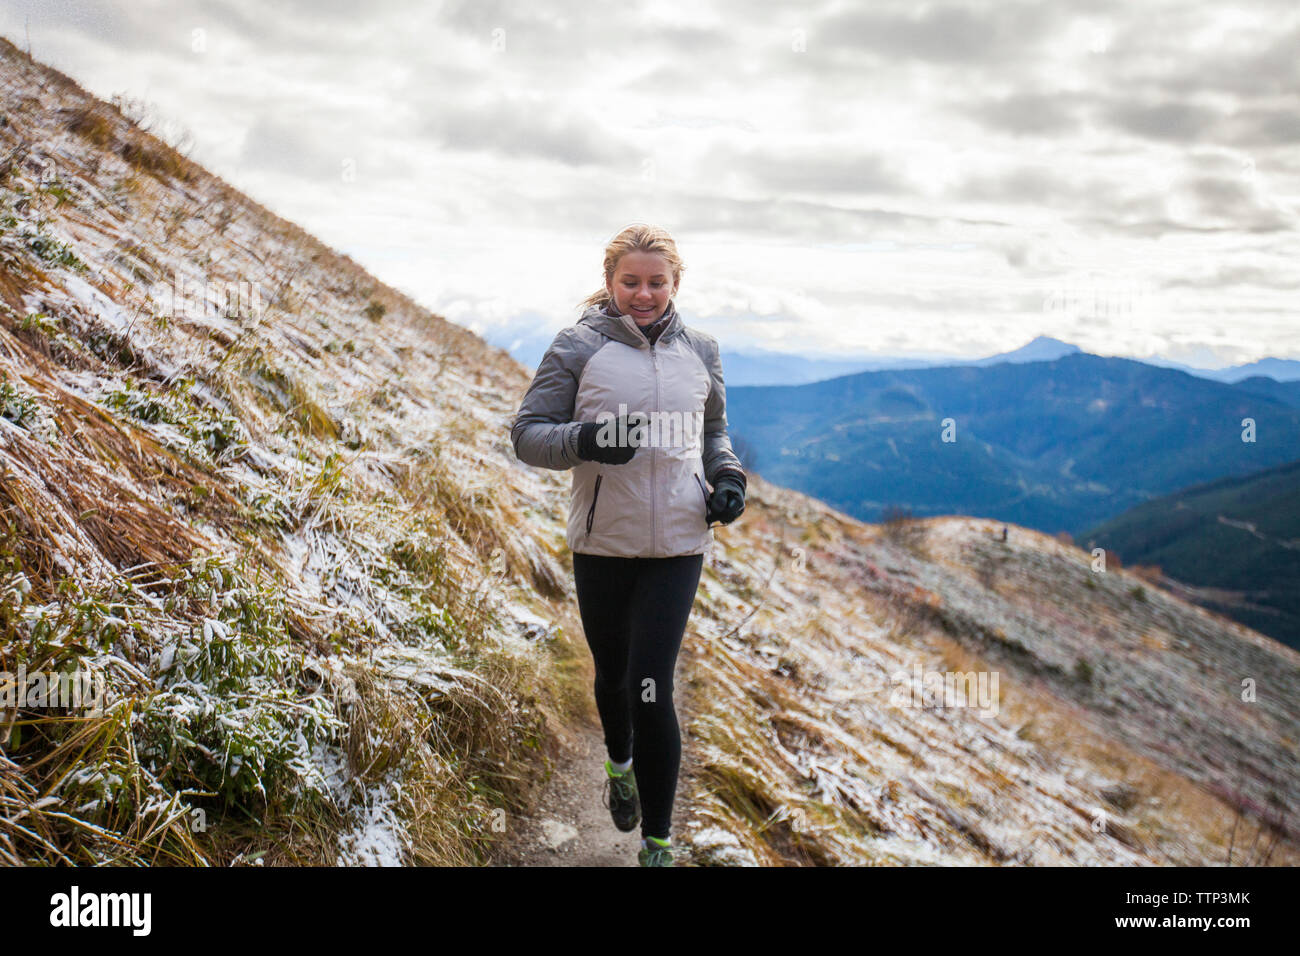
(805, 220)
(1172, 120)
(296, 147)
(128, 27)
(942, 33)
(1066, 130)
(1043, 114)
(527, 126)
(1262, 127)
(1028, 184)
(481, 17)
(1186, 122)
(781, 169)
(1235, 275)
(1237, 202)
(1273, 70)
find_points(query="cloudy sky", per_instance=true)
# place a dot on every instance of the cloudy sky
(841, 178)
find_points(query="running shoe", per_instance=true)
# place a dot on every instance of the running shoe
(655, 852)
(621, 798)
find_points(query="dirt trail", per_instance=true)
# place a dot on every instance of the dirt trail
(572, 826)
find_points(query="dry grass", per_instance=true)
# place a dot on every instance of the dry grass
(96, 124)
(1165, 806)
(751, 788)
(482, 513)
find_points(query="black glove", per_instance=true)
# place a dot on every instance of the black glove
(728, 499)
(590, 449)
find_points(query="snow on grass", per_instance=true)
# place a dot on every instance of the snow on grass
(377, 836)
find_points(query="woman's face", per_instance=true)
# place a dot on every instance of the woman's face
(642, 286)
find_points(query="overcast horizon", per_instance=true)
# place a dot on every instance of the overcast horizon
(873, 179)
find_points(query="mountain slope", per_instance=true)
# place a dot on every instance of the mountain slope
(272, 526)
(1113, 695)
(1053, 445)
(337, 620)
(1235, 540)
(1286, 392)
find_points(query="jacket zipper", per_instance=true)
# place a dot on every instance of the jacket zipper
(699, 482)
(591, 512)
(654, 485)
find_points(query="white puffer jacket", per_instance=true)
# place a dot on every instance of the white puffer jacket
(655, 505)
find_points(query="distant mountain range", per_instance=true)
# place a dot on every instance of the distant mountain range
(750, 367)
(1054, 445)
(758, 367)
(1282, 370)
(1236, 540)
(526, 340)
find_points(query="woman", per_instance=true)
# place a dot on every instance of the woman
(633, 402)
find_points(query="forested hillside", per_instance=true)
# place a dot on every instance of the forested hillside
(1057, 446)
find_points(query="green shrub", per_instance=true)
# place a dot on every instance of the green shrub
(239, 708)
(210, 435)
(18, 407)
(51, 250)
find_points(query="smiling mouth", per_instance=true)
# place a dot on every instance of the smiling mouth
(642, 311)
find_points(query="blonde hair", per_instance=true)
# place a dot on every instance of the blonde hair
(637, 237)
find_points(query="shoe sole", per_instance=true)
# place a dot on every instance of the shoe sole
(632, 824)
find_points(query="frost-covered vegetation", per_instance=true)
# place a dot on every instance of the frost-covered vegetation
(808, 731)
(284, 560)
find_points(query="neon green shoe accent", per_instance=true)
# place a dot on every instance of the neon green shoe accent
(655, 852)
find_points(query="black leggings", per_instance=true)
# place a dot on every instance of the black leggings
(634, 613)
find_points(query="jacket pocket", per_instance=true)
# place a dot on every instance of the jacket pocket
(591, 512)
(700, 481)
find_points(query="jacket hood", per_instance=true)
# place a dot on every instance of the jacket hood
(623, 328)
